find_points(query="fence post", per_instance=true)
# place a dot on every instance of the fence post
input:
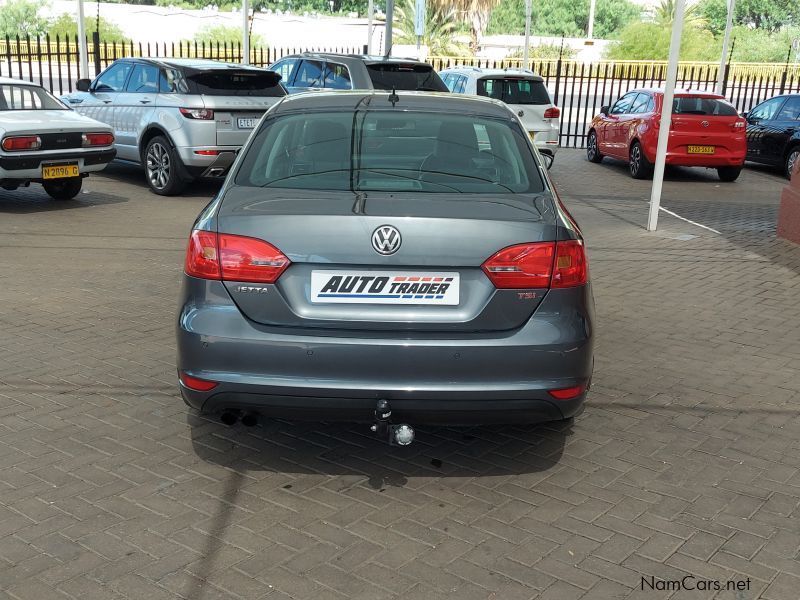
(786, 70)
(96, 43)
(558, 80)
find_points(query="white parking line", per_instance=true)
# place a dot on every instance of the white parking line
(677, 216)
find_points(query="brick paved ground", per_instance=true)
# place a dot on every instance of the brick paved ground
(686, 460)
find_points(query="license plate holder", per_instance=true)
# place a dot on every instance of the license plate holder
(700, 149)
(246, 122)
(61, 171)
(385, 287)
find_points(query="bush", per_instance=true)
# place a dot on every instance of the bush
(222, 34)
(648, 41)
(21, 18)
(66, 27)
(545, 52)
(759, 45)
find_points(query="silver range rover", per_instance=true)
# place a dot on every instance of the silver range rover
(179, 118)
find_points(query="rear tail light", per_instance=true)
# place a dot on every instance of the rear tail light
(97, 139)
(233, 258)
(196, 384)
(739, 124)
(569, 393)
(22, 142)
(552, 113)
(538, 265)
(571, 268)
(207, 152)
(203, 114)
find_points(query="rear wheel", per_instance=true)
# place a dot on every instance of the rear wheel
(791, 160)
(729, 173)
(162, 167)
(640, 167)
(63, 189)
(592, 149)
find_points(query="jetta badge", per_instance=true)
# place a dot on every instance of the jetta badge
(704, 123)
(386, 240)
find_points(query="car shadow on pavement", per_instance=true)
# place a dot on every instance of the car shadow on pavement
(134, 175)
(351, 449)
(35, 200)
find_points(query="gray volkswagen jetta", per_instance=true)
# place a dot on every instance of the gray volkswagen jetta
(381, 256)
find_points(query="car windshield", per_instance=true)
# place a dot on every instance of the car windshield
(231, 82)
(27, 97)
(698, 105)
(399, 151)
(401, 76)
(514, 90)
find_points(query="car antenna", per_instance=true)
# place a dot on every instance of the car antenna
(393, 97)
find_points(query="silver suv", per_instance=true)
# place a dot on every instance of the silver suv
(180, 118)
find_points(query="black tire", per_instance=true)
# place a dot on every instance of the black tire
(592, 150)
(639, 166)
(63, 189)
(791, 160)
(729, 173)
(163, 168)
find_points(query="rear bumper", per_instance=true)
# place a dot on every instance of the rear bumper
(439, 378)
(29, 166)
(201, 163)
(704, 160)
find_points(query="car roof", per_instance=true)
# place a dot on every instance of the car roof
(481, 73)
(7, 80)
(193, 63)
(421, 101)
(368, 59)
(678, 92)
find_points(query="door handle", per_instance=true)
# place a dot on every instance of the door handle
(106, 101)
(145, 101)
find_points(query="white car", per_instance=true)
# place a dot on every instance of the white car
(523, 91)
(43, 141)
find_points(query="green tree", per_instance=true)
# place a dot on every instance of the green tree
(715, 14)
(441, 28)
(771, 15)
(650, 41)
(221, 34)
(21, 17)
(475, 13)
(665, 14)
(66, 27)
(564, 17)
(760, 45)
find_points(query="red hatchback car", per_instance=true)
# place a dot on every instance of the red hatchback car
(706, 131)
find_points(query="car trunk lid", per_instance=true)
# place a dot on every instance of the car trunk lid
(445, 239)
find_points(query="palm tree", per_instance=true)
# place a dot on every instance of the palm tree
(475, 12)
(665, 14)
(440, 29)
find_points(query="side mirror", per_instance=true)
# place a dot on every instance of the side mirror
(83, 85)
(548, 160)
(604, 110)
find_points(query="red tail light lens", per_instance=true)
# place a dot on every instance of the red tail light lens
(522, 266)
(552, 113)
(539, 265)
(740, 124)
(197, 384)
(202, 114)
(97, 139)
(250, 259)
(233, 258)
(571, 267)
(202, 257)
(21, 142)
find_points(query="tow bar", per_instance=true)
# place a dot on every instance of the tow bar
(398, 435)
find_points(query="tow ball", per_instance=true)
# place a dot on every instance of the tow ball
(399, 434)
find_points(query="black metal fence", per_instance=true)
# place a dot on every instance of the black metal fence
(579, 89)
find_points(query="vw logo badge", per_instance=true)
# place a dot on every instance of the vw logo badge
(386, 240)
(704, 123)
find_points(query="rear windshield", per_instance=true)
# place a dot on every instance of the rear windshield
(27, 97)
(514, 91)
(390, 151)
(225, 82)
(697, 105)
(409, 77)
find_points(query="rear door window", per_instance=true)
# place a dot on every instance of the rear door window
(235, 82)
(623, 105)
(641, 104)
(402, 76)
(337, 77)
(699, 105)
(309, 74)
(790, 110)
(460, 85)
(514, 90)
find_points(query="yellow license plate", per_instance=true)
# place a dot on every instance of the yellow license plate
(700, 149)
(60, 171)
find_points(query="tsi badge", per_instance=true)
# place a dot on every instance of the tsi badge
(252, 289)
